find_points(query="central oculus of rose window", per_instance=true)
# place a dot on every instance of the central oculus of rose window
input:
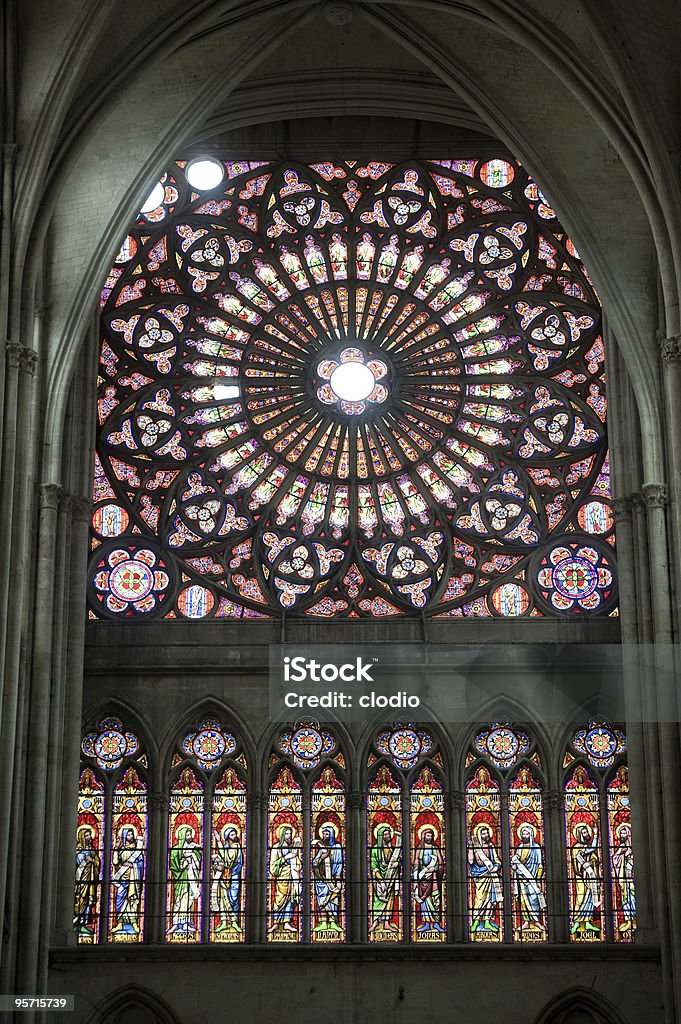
(352, 379)
(352, 382)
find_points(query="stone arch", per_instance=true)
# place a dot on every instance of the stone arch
(579, 1006)
(190, 716)
(568, 190)
(132, 1005)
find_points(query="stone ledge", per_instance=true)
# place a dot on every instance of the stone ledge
(466, 952)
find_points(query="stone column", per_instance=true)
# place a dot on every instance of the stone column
(18, 554)
(356, 868)
(670, 351)
(156, 880)
(664, 741)
(257, 869)
(642, 825)
(73, 701)
(53, 781)
(33, 931)
(13, 359)
(640, 536)
(457, 867)
(556, 874)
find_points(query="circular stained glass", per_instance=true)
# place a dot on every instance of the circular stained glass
(352, 381)
(209, 745)
(131, 580)
(196, 602)
(306, 743)
(601, 743)
(575, 578)
(502, 744)
(595, 517)
(205, 175)
(497, 173)
(578, 576)
(110, 746)
(110, 521)
(510, 599)
(404, 744)
(243, 441)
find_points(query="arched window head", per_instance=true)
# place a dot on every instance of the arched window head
(405, 744)
(600, 861)
(306, 743)
(111, 836)
(350, 389)
(505, 838)
(406, 837)
(207, 838)
(306, 837)
(502, 744)
(110, 744)
(600, 743)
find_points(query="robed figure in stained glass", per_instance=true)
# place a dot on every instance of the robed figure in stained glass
(88, 866)
(227, 864)
(623, 871)
(185, 871)
(286, 873)
(327, 874)
(527, 868)
(385, 871)
(128, 872)
(428, 872)
(484, 867)
(586, 875)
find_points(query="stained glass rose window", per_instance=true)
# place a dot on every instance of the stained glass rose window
(350, 389)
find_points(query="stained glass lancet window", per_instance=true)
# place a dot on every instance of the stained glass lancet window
(207, 838)
(406, 837)
(306, 837)
(600, 864)
(350, 389)
(505, 839)
(111, 837)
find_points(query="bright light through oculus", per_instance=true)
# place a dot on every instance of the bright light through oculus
(352, 382)
(204, 175)
(154, 199)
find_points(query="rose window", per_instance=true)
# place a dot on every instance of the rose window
(350, 389)
(353, 382)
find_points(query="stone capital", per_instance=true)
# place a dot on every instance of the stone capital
(654, 495)
(29, 361)
(80, 509)
(14, 351)
(255, 800)
(553, 799)
(622, 508)
(670, 348)
(456, 801)
(50, 496)
(9, 152)
(159, 801)
(355, 799)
